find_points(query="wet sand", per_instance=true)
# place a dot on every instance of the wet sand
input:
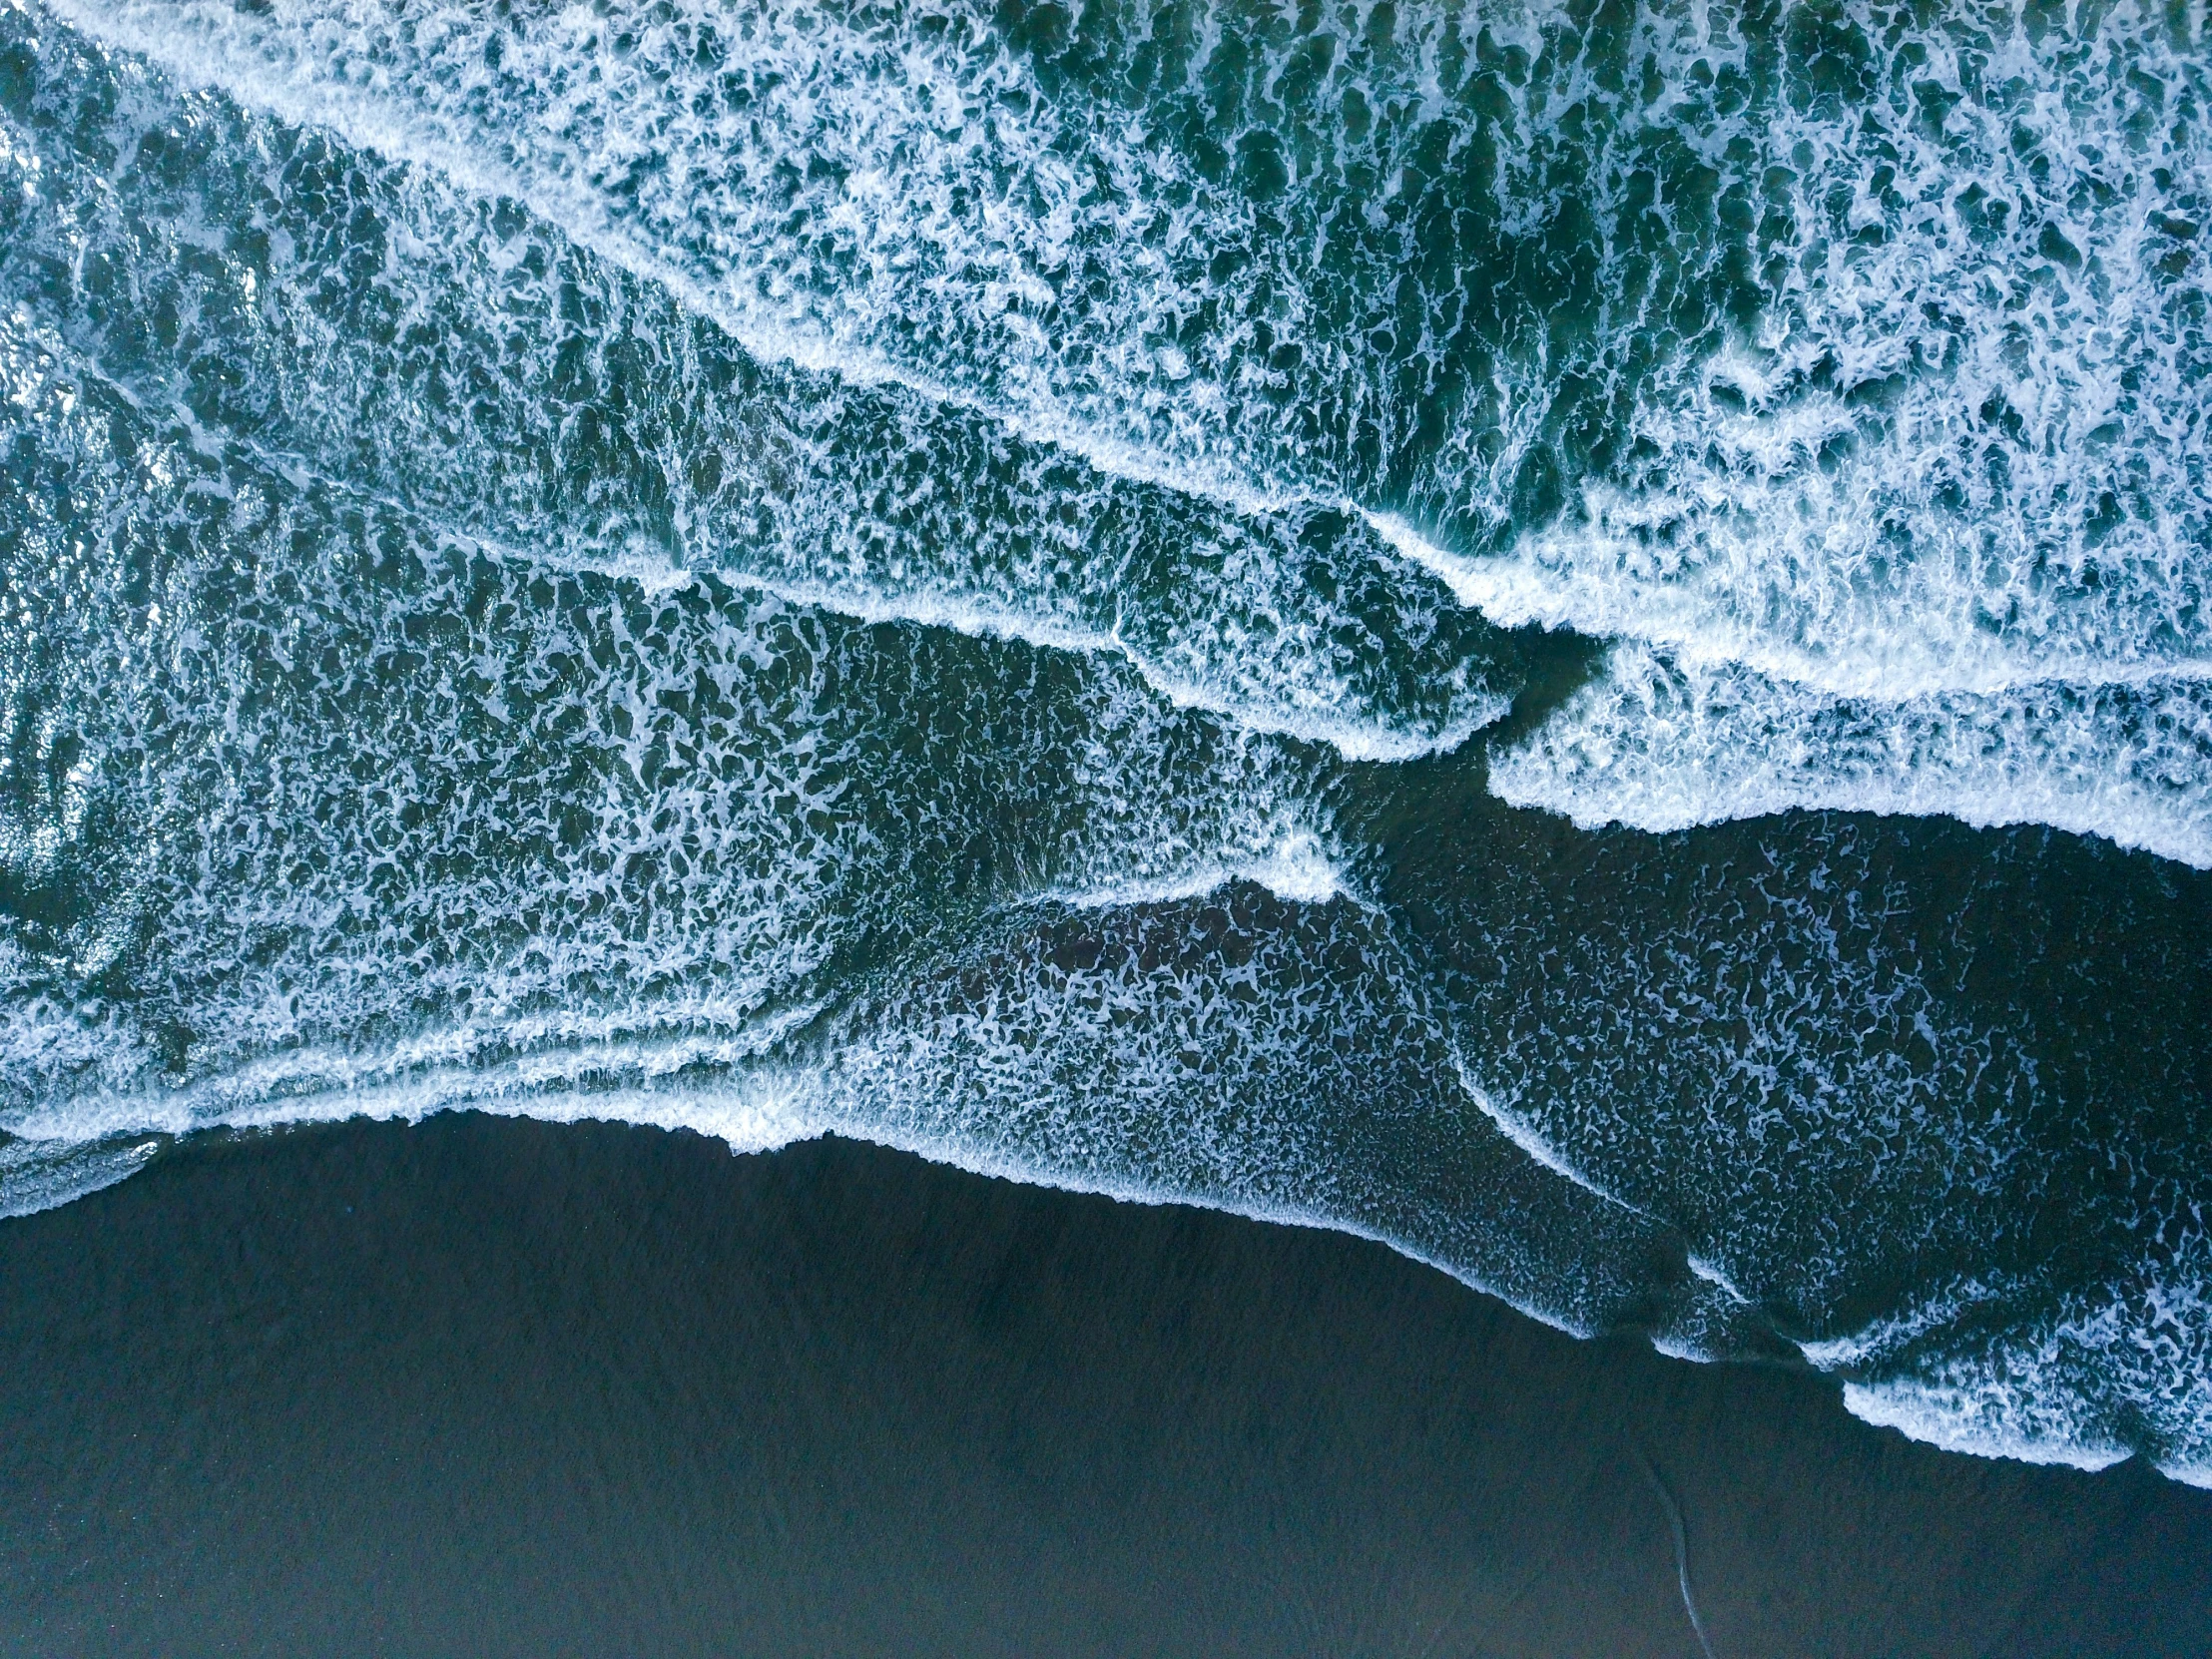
(499, 1387)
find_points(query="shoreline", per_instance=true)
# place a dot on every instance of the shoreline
(492, 1385)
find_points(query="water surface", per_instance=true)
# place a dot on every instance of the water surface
(1574, 638)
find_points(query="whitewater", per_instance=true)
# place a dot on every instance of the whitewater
(1577, 643)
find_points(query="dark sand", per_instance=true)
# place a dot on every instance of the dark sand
(499, 1387)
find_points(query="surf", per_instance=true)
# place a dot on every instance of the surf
(1158, 606)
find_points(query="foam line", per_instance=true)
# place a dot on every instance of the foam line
(1938, 1417)
(1663, 744)
(1291, 697)
(1517, 591)
(172, 36)
(1747, 543)
(1296, 869)
(1357, 742)
(37, 1176)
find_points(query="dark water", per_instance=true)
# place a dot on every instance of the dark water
(493, 1387)
(1570, 637)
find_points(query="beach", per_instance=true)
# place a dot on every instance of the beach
(494, 1386)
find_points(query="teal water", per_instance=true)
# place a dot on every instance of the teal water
(1572, 638)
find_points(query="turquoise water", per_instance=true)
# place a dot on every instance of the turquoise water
(1574, 638)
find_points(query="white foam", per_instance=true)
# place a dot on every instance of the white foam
(1897, 566)
(1883, 1337)
(1715, 1275)
(323, 73)
(661, 810)
(1295, 867)
(1784, 645)
(2083, 1377)
(1255, 641)
(1179, 1061)
(916, 119)
(1661, 745)
(1356, 740)
(35, 1176)
(1524, 1135)
(2190, 1474)
(1958, 1421)
(1979, 592)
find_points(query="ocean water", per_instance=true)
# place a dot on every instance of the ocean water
(1572, 637)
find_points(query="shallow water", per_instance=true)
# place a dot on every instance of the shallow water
(492, 1387)
(1573, 639)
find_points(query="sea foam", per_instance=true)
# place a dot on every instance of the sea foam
(815, 569)
(1956, 449)
(1663, 744)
